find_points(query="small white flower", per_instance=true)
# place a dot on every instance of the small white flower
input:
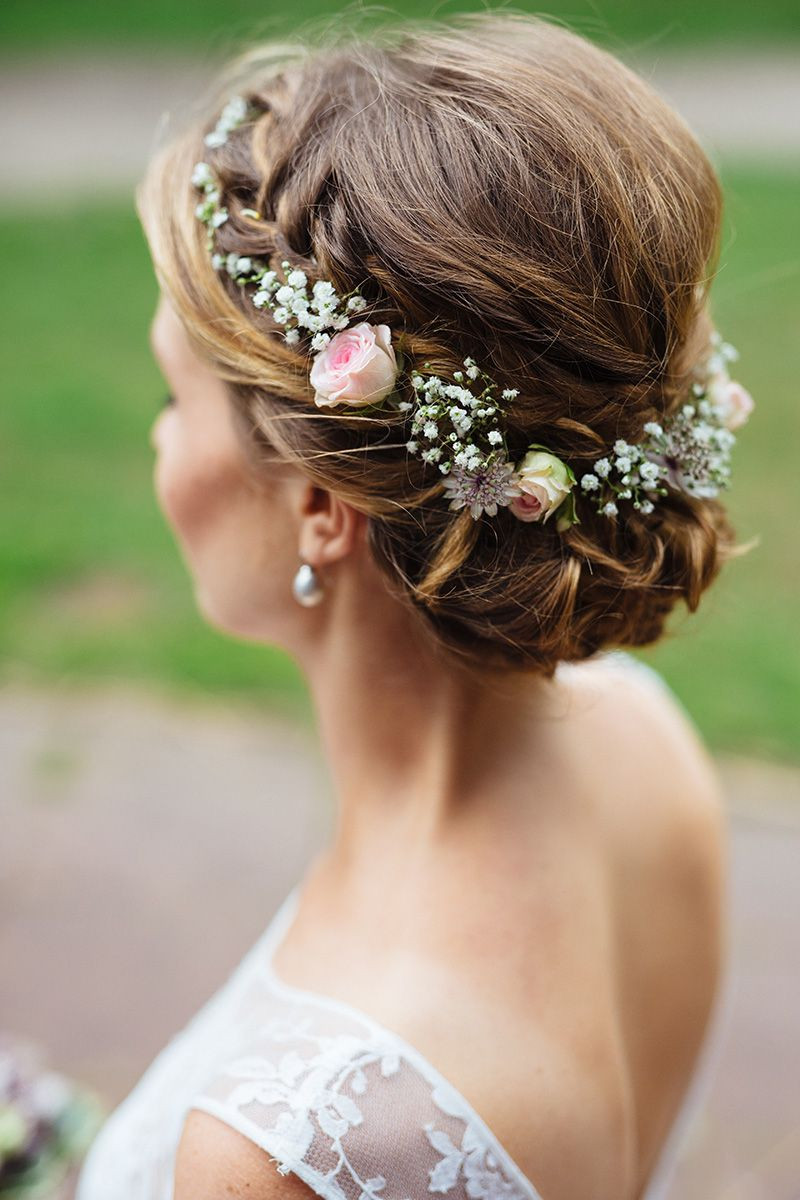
(610, 509)
(621, 446)
(495, 437)
(646, 506)
(217, 261)
(244, 266)
(284, 294)
(416, 381)
(219, 217)
(296, 279)
(320, 341)
(202, 175)
(623, 463)
(292, 336)
(653, 428)
(323, 290)
(602, 467)
(412, 446)
(590, 483)
(431, 429)
(281, 315)
(356, 304)
(510, 393)
(261, 299)
(405, 405)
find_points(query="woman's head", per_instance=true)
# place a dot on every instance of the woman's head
(495, 187)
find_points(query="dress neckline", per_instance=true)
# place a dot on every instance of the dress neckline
(266, 948)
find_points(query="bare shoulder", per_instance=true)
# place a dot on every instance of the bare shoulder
(668, 802)
(214, 1160)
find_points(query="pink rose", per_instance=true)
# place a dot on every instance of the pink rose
(736, 403)
(545, 481)
(358, 366)
(531, 504)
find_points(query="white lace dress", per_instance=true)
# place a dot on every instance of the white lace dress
(343, 1102)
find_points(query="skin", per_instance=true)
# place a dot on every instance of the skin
(548, 856)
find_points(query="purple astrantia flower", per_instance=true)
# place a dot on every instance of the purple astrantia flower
(484, 489)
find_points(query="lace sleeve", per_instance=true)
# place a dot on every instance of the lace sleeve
(358, 1115)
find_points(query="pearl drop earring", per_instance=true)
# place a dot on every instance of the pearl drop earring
(307, 586)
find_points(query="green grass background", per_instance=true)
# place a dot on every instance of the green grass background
(218, 24)
(93, 585)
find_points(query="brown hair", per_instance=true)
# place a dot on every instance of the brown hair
(495, 186)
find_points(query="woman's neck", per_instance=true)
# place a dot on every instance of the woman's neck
(413, 744)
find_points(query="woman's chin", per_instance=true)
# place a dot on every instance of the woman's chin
(235, 620)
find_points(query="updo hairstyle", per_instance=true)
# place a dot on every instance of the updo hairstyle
(496, 187)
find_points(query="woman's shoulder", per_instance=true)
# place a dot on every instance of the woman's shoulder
(649, 760)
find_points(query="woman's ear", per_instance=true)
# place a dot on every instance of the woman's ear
(328, 527)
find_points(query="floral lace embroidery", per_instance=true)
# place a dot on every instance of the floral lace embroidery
(305, 1093)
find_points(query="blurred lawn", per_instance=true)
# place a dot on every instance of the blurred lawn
(221, 24)
(92, 583)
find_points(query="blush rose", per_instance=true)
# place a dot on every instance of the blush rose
(358, 366)
(545, 482)
(734, 400)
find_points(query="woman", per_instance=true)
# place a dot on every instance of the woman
(447, 422)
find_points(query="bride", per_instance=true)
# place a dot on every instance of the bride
(447, 422)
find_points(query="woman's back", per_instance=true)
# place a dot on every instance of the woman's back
(559, 965)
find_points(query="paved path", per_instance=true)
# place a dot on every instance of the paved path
(79, 125)
(145, 845)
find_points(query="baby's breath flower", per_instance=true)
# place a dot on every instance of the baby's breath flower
(202, 175)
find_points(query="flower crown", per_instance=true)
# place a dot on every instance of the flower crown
(457, 423)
